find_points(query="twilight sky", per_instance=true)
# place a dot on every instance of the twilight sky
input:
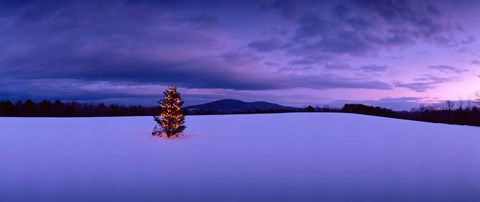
(391, 53)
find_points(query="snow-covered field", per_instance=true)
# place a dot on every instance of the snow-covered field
(269, 157)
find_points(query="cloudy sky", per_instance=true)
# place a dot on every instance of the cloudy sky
(391, 53)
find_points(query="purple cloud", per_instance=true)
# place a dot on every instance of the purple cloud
(266, 45)
(448, 69)
(424, 83)
(287, 9)
(338, 66)
(374, 68)
(353, 28)
(476, 62)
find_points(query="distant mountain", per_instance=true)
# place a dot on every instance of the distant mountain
(237, 106)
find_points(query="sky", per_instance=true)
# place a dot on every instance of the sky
(389, 53)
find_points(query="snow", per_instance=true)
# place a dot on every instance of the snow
(268, 157)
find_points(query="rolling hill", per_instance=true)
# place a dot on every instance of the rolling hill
(238, 106)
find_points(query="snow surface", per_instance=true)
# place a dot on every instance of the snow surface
(269, 157)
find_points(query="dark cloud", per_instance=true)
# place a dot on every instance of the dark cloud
(448, 69)
(374, 68)
(202, 21)
(390, 10)
(296, 69)
(347, 42)
(338, 66)
(402, 99)
(311, 25)
(333, 81)
(424, 83)
(152, 2)
(476, 62)
(426, 21)
(364, 27)
(287, 9)
(266, 45)
(434, 79)
(193, 73)
(432, 11)
(359, 23)
(302, 62)
(340, 11)
(64, 89)
(270, 64)
(241, 57)
(120, 43)
(416, 86)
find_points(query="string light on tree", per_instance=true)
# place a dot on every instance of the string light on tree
(172, 118)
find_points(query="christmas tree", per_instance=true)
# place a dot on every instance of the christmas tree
(172, 118)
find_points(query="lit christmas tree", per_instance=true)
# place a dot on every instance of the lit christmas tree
(172, 118)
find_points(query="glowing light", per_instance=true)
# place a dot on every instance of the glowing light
(171, 117)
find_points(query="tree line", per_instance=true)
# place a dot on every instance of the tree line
(58, 108)
(462, 114)
(447, 113)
